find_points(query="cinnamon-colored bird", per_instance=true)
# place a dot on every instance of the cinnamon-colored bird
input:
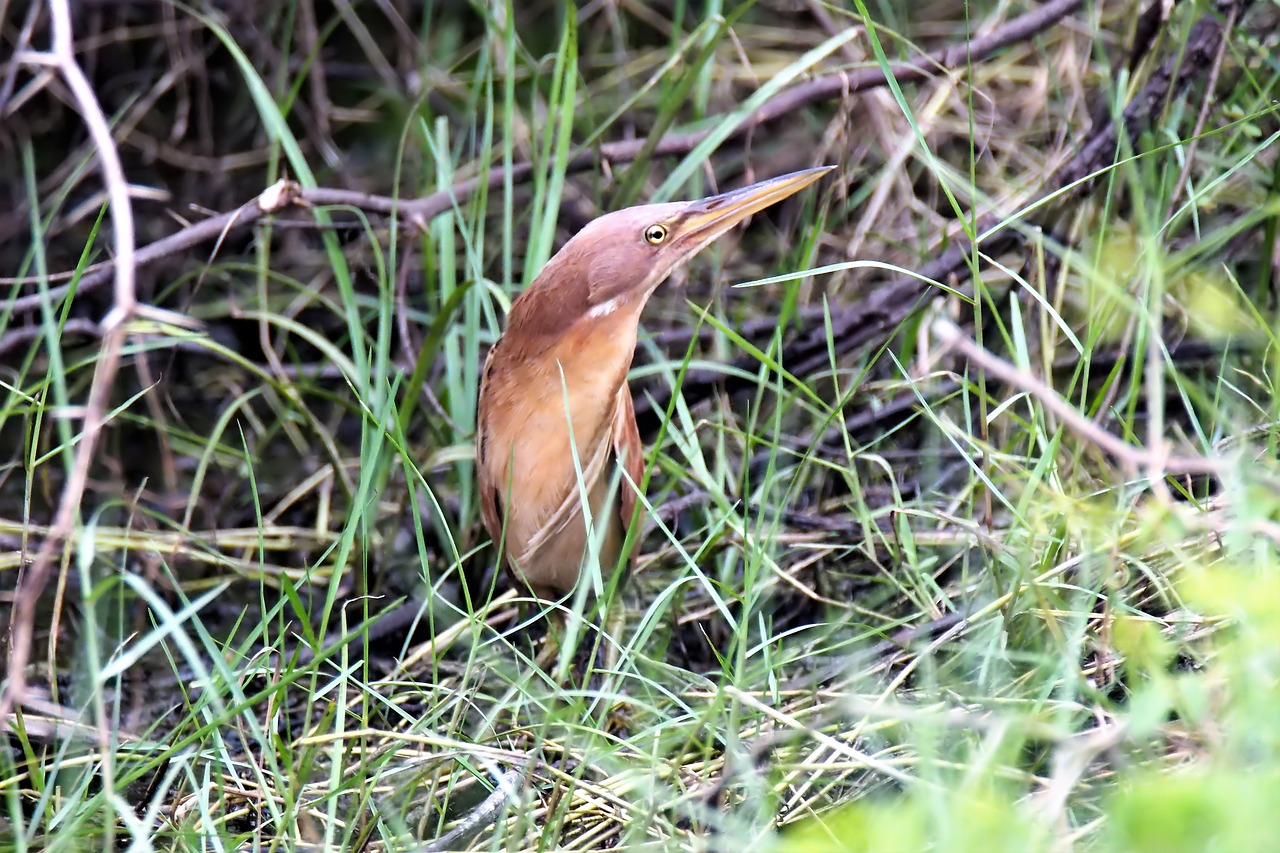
(554, 384)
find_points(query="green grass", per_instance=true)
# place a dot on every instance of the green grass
(1106, 670)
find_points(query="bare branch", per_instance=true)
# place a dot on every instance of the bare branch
(421, 210)
(1133, 458)
(1203, 42)
(115, 331)
(506, 789)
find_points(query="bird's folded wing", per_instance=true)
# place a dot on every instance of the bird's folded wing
(568, 511)
(627, 447)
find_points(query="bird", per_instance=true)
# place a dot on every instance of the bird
(554, 417)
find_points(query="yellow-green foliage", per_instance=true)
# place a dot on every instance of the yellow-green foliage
(1107, 301)
(980, 823)
(1193, 811)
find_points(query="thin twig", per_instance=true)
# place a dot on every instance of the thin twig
(115, 329)
(15, 338)
(1133, 458)
(506, 788)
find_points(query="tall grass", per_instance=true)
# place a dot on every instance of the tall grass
(1094, 662)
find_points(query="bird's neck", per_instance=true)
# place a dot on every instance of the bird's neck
(594, 351)
(551, 345)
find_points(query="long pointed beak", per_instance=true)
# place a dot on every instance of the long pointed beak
(704, 220)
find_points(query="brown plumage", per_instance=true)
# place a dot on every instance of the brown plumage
(560, 369)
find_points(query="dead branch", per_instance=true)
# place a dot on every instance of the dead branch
(506, 789)
(1133, 459)
(115, 330)
(1173, 77)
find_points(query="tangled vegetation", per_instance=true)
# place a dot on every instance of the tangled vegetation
(962, 514)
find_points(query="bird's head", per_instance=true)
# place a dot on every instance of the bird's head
(616, 262)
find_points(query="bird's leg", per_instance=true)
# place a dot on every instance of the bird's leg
(615, 619)
(561, 649)
(574, 655)
(551, 641)
(591, 657)
(578, 650)
(603, 661)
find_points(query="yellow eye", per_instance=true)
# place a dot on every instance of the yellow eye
(655, 234)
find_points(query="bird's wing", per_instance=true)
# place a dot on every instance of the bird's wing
(630, 454)
(568, 510)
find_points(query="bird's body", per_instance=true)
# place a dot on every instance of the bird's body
(577, 378)
(555, 416)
